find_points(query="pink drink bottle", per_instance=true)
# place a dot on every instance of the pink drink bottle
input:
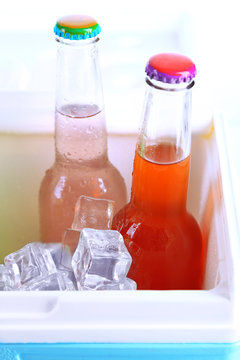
(81, 164)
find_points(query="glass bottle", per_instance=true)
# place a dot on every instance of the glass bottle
(81, 164)
(164, 240)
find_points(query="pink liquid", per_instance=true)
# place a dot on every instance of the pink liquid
(81, 168)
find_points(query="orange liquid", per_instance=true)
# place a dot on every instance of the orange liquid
(163, 239)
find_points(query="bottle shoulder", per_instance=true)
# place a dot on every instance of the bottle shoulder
(134, 223)
(82, 168)
(72, 181)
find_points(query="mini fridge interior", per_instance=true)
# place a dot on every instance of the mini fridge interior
(125, 324)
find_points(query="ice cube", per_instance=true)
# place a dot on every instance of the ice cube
(67, 280)
(61, 255)
(93, 213)
(6, 278)
(100, 259)
(57, 281)
(89, 213)
(33, 268)
(70, 241)
(55, 251)
(31, 263)
(126, 284)
(63, 262)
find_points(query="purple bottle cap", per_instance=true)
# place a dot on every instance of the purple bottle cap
(171, 68)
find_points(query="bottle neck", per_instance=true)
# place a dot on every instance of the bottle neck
(166, 119)
(162, 160)
(80, 130)
(78, 73)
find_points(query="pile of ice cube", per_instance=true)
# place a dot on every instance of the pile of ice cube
(90, 257)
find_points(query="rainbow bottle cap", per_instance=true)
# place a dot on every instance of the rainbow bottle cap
(77, 27)
(171, 68)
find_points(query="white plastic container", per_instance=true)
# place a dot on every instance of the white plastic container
(134, 324)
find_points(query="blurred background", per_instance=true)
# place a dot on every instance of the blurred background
(132, 31)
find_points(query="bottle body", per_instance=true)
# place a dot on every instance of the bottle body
(81, 164)
(163, 239)
(70, 177)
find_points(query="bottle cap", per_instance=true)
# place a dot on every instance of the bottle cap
(171, 68)
(77, 27)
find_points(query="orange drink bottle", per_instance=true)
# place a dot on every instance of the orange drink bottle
(164, 240)
(81, 164)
